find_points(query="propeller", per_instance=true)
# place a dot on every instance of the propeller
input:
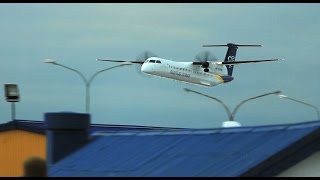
(204, 57)
(143, 57)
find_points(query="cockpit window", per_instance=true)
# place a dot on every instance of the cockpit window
(158, 61)
(152, 61)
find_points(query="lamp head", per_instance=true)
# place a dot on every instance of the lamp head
(50, 61)
(12, 92)
(282, 96)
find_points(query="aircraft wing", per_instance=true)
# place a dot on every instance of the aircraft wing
(241, 62)
(123, 61)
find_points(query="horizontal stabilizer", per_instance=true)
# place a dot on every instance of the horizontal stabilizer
(242, 62)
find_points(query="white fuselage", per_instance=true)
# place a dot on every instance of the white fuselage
(185, 71)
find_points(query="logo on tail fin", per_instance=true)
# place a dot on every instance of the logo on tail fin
(230, 59)
(231, 56)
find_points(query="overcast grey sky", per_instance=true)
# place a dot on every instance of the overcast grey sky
(76, 34)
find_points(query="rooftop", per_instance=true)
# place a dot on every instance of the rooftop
(240, 151)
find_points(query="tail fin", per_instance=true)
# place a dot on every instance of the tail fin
(231, 53)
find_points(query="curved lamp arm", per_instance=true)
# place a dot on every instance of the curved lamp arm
(218, 100)
(246, 100)
(286, 97)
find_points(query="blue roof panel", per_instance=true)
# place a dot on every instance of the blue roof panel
(181, 152)
(261, 149)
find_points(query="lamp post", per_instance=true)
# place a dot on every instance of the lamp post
(286, 97)
(85, 80)
(231, 122)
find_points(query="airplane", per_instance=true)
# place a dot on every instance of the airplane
(202, 72)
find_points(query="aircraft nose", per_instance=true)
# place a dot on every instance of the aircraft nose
(145, 69)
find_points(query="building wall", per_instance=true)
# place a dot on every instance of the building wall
(15, 147)
(309, 167)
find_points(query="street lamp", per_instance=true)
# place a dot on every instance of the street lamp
(286, 97)
(85, 80)
(231, 122)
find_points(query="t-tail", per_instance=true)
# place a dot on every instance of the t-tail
(231, 54)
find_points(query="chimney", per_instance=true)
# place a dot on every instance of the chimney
(66, 132)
